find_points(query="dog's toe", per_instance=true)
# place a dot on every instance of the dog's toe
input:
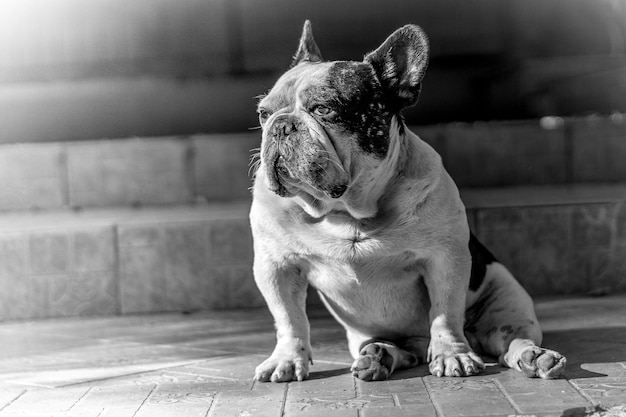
(550, 364)
(282, 369)
(374, 364)
(456, 365)
(543, 363)
(375, 372)
(263, 376)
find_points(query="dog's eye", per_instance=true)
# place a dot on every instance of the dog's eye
(263, 115)
(322, 110)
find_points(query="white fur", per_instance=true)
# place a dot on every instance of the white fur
(378, 254)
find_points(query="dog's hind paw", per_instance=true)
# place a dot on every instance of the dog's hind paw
(543, 363)
(378, 359)
(534, 361)
(375, 363)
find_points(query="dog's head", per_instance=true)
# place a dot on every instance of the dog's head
(328, 125)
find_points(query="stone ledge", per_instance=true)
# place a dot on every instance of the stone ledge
(542, 195)
(184, 170)
(101, 262)
(556, 240)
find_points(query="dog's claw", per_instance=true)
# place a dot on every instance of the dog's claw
(262, 376)
(283, 369)
(456, 365)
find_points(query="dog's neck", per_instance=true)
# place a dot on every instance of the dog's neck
(362, 198)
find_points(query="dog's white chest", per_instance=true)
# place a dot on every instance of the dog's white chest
(343, 238)
(384, 295)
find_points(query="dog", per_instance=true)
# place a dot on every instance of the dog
(348, 200)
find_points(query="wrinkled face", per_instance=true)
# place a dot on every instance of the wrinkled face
(322, 123)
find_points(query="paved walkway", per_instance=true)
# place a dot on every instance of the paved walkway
(201, 364)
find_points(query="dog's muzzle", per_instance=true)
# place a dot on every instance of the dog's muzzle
(294, 158)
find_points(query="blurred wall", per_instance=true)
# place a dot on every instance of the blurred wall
(75, 69)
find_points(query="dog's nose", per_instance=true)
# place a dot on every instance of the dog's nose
(284, 128)
(289, 127)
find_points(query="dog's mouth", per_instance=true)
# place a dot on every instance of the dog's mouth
(296, 162)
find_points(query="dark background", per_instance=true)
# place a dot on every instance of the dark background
(74, 69)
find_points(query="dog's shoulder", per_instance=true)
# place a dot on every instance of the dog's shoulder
(423, 183)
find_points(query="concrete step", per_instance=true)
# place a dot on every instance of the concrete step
(181, 258)
(124, 260)
(125, 172)
(556, 239)
(552, 150)
(183, 170)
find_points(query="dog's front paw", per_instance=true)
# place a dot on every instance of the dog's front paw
(284, 367)
(454, 360)
(534, 361)
(375, 363)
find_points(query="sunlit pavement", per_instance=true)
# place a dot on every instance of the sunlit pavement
(201, 364)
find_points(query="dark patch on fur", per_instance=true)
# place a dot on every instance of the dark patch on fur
(400, 63)
(474, 312)
(481, 257)
(354, 93)
(507, 330)
(470, 329)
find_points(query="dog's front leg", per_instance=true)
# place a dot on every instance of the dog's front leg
(447, 279)
(284, 289)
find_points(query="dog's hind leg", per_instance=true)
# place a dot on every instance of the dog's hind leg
(502, 323)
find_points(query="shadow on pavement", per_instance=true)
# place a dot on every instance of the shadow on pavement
(586, 348)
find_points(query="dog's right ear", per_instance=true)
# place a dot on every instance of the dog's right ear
(400, 63)
(308, 50)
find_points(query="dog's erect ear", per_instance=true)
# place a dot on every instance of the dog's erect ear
(400, 63)
(307, 50)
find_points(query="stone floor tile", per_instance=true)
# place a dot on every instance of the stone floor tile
(400, 383)
(9, 394)
(249, 403)
(90, 364)
(325, 406)
(607, 391)
(531, 395)
(177, 399)
(401, 411)
(340, 412)
(119, 401)
(47, 400)
(235, 367)
(326, 385)
(467, 396)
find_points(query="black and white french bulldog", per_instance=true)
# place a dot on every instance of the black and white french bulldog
(350, 201)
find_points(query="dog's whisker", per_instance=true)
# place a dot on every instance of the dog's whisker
(254, 167)
(326, 156)
(254, 162)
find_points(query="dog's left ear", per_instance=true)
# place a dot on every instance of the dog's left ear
(308, 50)
(400, 63)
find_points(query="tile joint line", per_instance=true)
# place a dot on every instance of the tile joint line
(13, 400)
(507, 396)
